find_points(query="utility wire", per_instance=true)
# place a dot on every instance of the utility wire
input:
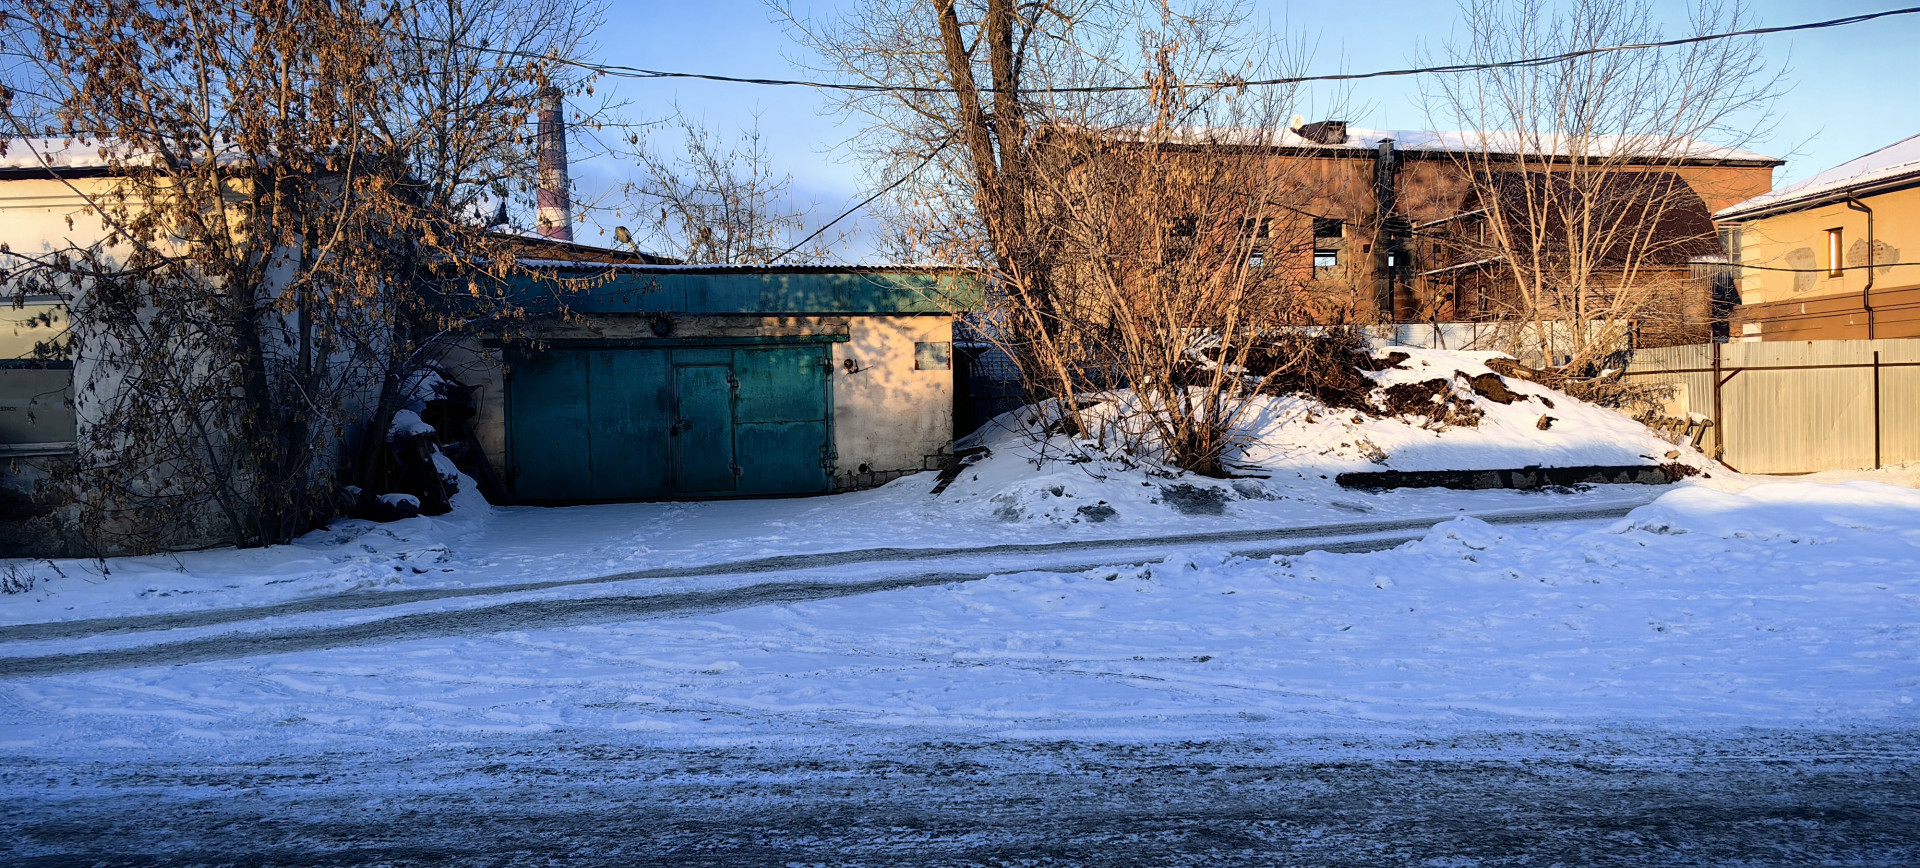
(1828, 272)
(869, 200)
(619, 71)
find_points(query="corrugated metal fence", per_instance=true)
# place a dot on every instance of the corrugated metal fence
(1795, 407)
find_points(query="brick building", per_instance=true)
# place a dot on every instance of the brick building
(1381, 218)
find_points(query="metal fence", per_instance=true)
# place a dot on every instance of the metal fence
(1795, 406)
(987, 383)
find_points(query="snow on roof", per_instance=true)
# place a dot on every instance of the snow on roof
(1892, 163)
(1494, 141)
(65, 152)
(83, 152)
(721, 267)
(534, 238)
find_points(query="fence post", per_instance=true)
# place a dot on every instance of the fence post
(1719, 425)
(1876, 409)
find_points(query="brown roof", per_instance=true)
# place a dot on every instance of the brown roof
(549, 249)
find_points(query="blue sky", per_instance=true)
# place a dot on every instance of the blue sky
(1852, 88)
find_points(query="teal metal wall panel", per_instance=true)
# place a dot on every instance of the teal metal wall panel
(630, 400)
(782, 457)
(781, 384)
(548, 427)
(634, 423)
(703, 448)
(752, 291)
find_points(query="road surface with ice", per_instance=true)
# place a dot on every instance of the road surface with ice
(1737, 798)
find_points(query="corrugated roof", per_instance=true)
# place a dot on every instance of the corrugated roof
(1890, 164)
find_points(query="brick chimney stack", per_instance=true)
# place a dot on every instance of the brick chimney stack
(555, 218)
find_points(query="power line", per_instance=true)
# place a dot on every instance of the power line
(620, 71)
(1825, 271)
(865, 202)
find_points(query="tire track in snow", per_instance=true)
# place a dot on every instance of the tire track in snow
(781, 563)
(550, 614)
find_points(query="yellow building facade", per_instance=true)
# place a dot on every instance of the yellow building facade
(1834, 257)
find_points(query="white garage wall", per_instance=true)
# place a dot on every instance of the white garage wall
(890, 418)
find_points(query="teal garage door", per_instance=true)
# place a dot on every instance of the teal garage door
(637, 424)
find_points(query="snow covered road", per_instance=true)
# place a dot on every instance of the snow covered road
(33, 650)
(1745, 798)
(1724, 678)
(1114, 550)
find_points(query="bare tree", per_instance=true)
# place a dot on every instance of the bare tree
(708, 198)
(457, 112)
(291, 219)
(1084, 162)
(1588, 204)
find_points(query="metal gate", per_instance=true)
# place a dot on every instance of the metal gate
(642, 423)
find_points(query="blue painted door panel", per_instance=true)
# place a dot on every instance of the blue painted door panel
(548, 427)
(631, 408)
(703, 429)
(639, 423)
(780, 419)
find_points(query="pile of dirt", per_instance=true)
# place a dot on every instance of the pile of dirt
(1330, 368)
(1439, 401)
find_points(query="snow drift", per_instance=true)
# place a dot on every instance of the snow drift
(1433, 410)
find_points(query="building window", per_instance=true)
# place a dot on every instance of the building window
(1256, 230)
(1325, 261)
(1328, 233)
(1730, 243)
(36, 379)
(1833, 253)
(933, 356)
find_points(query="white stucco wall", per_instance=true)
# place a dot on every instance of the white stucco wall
(34, 212)
(41, 217)
(34, 215)
(887, 415)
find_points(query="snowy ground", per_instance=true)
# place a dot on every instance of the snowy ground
(1710, 643)
(1727, 675)
(1783, 605)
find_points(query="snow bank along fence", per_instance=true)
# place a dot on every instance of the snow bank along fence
(1795, 406)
